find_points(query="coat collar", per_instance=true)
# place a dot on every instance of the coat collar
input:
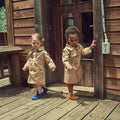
(40, 49)
(69, 47)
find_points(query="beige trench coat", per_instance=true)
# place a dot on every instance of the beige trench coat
(71, 58)
(36, 62)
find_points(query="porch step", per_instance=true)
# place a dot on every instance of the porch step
(79, 90)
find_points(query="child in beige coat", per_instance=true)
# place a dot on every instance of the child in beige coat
(71, 58)
(37, 58)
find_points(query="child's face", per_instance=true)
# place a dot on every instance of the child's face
(36, 44)
(73, 39)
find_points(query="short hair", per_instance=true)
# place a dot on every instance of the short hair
(37, 36)
(72, 30)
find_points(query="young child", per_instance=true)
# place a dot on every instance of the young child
(36, 65)
(71, 58)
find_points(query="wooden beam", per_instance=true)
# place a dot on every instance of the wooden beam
(8, 5)
(38, 16)
(98, 59)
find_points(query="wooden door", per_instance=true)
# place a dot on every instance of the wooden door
(79, 13)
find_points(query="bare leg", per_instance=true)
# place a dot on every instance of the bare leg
(38, 87)
(70, 88)
(71, 95)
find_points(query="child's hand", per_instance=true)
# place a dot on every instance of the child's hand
(93, 44)
(74, 68)
(53, 69)
(24, 68)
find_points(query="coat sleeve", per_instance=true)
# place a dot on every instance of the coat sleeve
(65, 59)
(86, 51)
(27, 64)
(49, 61)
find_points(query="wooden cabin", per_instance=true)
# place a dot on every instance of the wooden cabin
(50, 18)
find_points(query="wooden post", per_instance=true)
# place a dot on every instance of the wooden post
(98, 60)
(9, 14)
(16, 76)
(38, 16)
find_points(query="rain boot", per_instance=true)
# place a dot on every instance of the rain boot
(45, 90)
(37, 96)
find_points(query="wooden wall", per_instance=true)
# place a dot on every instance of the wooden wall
(21, 17)
(21, 24)
(112, 61)
(21, 21)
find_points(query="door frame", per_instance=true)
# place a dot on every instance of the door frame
(98, 35)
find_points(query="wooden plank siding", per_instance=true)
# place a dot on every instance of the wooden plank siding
(112, 61)
(23, 25)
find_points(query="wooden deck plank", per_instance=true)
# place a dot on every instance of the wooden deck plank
(22, 109)
(27, 107)
(82, 110)
(14, 104)
(83, 91)
(102, 110)
(61, 110)
(42, 109)
(115, 115)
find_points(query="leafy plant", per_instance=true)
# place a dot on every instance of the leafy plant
(3, 22)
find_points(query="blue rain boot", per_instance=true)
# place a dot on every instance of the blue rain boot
(37, 96)
(44, 91)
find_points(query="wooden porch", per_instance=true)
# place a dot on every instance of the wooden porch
(16, 104)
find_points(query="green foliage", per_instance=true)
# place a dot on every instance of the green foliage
(3, 22)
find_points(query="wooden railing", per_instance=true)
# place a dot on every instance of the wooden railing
(10, 56)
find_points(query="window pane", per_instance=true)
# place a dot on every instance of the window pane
(87, 31)
(67, 20)
(65, 2)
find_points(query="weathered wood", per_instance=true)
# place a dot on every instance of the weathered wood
(115, 49)
(114, 37)
(1, 66)
(24, 23)
(113, 84)
(82, 110)
(80, 90)
(61, 110)
(112, 13)
(23, 5)
(24, 31)
(113, 25)
(16, 104)
(112, 94)
(98, 57)
(87, 77)
(112, 3)
(101, 111)
(22, 40)
(4, 82)
(16, 76)
(111, 61)
(38, 16)
(115, 115)
(8, 6)
(112, 72)
(85, 7)
(9, 49)
(23, 14)
(40, 111)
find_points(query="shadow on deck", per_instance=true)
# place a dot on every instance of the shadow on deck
(16, 104)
